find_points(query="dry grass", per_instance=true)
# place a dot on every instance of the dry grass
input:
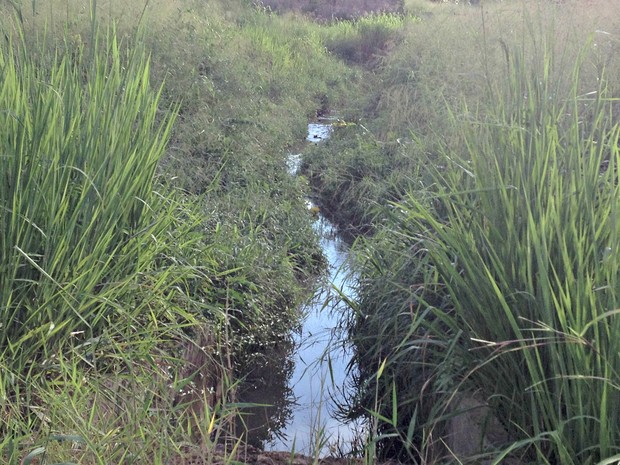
(455, 52)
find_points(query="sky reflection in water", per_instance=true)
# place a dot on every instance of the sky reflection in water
(296, 379)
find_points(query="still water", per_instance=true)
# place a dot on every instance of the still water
(302, 383)
(320, 368)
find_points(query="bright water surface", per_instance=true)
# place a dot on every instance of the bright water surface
(296, 384)
(315, 372)
(319, 370)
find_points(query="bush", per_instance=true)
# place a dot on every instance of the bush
(365, 40)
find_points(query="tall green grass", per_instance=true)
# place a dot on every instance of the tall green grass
(103, 269)
(80, 147)
(525, 249)
(364, 41)
(504, 283)
(131, 248)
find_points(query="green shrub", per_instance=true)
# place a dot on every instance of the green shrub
(365, 40)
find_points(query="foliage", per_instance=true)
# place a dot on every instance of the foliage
(357, 177)
(79, 211)
(334, 9)
(365, 40)
(142, 280)
(445, 55)
(104, 269)
(120, 252)
(497, 277)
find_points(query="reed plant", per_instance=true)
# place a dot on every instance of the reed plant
(104, 270)
(506, 286)
(536, 232)
(79, 159)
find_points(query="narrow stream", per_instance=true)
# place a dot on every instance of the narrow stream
(298, 415)
(319, 370)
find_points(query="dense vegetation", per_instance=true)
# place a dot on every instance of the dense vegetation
(483, 166)
(335, 9)
(155, 248)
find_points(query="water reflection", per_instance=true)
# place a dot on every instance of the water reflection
(298, 381)
(268, 387)
(301, 379)
(320, 370)
(320, 130)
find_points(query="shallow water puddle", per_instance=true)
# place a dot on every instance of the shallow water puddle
(320, 130)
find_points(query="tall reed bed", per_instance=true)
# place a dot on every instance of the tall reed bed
(81, 142)
(506, 285)
(103, 270)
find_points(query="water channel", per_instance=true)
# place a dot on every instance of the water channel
(316, 372)
(319, 371)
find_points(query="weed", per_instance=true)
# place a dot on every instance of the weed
(120, 251)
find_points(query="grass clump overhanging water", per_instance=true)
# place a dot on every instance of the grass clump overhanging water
(361, 180)
(488, 303)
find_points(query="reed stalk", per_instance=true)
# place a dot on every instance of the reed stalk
(522, 229)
